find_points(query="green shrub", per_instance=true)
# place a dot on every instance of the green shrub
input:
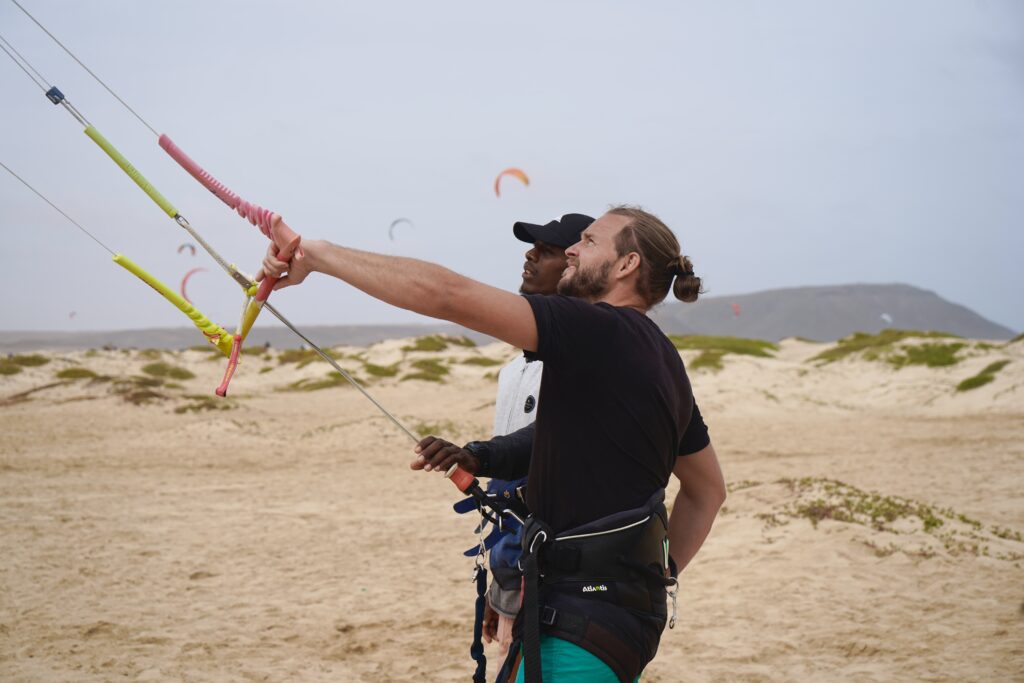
(707, 359)
(874, 346)
(29, 361)
(167, 370)
(482, 361)
(428, 370)
(431, 343)
(203, 402)
(76, 373)
(333, 379)
(737, 345)
(381, 370)
(439, 428)
(984, 377)
(931, 355)
(9, 368)
(424, 376)
(974, 382)
(302, 357)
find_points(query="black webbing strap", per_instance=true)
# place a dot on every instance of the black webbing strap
(531, 620)
(476, 650)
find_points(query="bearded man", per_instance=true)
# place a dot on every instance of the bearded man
(615, 404)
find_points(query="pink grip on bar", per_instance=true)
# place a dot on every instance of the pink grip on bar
(254, 213)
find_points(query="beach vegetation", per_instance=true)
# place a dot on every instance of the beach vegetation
(142, 397)
(265, 369)
(1018, 338)
(76, 373)
(428, 370)
(31, 360)
(441, 427)
(198, 403)
(151, 354)
(482, 361)
(931, 355)
(845, 503)
(819, 499)
(983, 377)
(733, 486)
(302, 357)
(380, 370)
(438, 342)
(138, 390)
(710, 360)
(331, 380)
(738, 345)
(9, 368)
(166, 370)
(874, 346)
(91, 353)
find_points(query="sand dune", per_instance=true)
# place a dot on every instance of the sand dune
(152, 533)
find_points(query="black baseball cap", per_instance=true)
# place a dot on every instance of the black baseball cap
(562, 232)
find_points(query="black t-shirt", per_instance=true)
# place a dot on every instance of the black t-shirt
(615, 403)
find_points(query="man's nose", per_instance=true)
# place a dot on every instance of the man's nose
(531, 255)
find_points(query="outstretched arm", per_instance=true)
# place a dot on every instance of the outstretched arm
(414, 285)
(701, 494)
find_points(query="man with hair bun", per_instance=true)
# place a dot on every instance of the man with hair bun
(614, 405)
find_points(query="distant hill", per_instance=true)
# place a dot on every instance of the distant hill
(819, 313)
(826, 313)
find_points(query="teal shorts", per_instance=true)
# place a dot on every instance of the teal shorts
(565, 662)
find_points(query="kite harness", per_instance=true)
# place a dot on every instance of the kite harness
(601, 586)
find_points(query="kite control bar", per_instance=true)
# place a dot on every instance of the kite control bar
(253, 213)
(269, 223)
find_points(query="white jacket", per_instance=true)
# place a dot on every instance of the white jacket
(518, 394)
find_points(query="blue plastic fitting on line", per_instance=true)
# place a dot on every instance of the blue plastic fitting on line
(54, 95)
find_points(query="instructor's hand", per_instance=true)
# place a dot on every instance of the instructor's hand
(289, 272)
(437, 454)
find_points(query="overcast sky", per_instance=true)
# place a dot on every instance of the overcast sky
(786, 143)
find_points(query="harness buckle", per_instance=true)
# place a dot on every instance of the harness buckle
(548, 616)
(673, 591)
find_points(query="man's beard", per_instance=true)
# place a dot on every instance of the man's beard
(587, 284)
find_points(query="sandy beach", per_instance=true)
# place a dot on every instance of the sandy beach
(152, 532)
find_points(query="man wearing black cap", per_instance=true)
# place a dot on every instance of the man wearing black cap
(515, 408)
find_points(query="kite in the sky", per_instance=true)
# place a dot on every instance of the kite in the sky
(515, 173)
(190, 247)
(71, 315)
(396, 222)
(886, 318)
(184, 281)
(736, 310)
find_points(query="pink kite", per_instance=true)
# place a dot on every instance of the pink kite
(514, 172)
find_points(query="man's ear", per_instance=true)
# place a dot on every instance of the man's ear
(630, 264)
